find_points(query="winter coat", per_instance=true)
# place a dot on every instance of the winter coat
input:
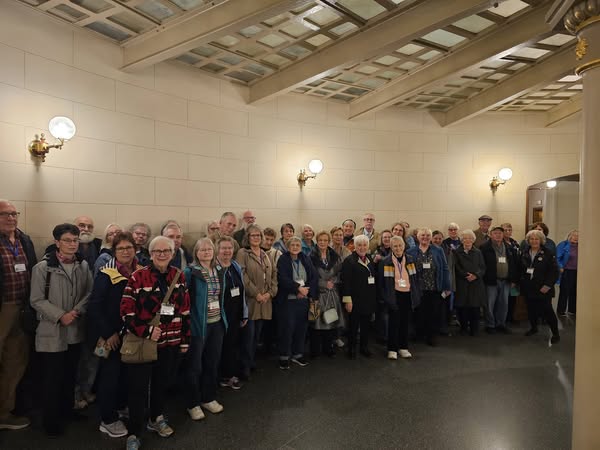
(469, 293)
(259, 278)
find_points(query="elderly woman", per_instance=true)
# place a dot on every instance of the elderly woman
(538, 275)
(60, 288)
(396, 278)
(452, 242)
(296, 287)
(433, 277)
(106, 252)
(469, 268)
(359, 295)
(324, 329)
(260, 279)
(349, 227)
(212, 229)
(142, 305)
(566, 257)
(141, 234)
(337, 243)
(269, 236)
(105, 327)
(308, 245)
(287, 231)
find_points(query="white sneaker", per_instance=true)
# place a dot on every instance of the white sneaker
(392, 355)
(405, 353)
(115, 430)
(339, 343)
(196, 413)
(214, 407)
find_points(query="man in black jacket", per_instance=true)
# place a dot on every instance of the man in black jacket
(502, 271)
(17, 257)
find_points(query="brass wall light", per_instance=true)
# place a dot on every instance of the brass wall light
(504, 175)
(315, 167)
(62, 128)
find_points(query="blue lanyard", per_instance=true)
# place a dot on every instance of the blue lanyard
(13, 249)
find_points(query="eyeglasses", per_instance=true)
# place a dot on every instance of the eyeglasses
(452, 229)
(253, 235)
(124, 249)
(140, 233)
(70, 241)
(85, 226)
(12, 214)
(368, 219)
(250, 218)
(166, 251)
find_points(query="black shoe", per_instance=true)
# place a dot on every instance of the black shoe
(490, 330)
(531, 332)
(366, 352)
(301, 361)
(284, 364)
(555, 339)
(503, 330)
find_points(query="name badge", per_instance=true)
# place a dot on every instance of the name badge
(167, 310)
(20, 268)
(411, 269)
(426, 265)
(300, 282)
(235, 292)
(402, 283)
(530, 270)
(371, 280)
(502, 259)
(213, 306)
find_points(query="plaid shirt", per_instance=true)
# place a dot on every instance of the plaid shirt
(15, 283)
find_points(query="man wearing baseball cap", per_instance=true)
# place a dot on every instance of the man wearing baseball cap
(482, 233)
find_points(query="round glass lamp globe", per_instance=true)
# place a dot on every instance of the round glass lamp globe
(505, 174)
(551, 184)
(62, 128)
(315, 166)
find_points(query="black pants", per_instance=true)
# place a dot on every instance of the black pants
(232, 342)
(111, 387)
(362, 321)
(468, 317)
(398, 322)
(59, 373)
(322, 341)
(542, 307)
(155, 377)
(429, 314)
(568, 292)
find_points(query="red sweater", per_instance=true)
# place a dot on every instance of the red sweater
(142, 299)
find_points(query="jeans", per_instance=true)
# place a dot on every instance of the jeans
(111, 386)
(497, 304)
(251, 337)
(293, 323)
(398, 322)
(568, 292)
(203, 371)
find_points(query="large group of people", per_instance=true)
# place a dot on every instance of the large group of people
(117, 318)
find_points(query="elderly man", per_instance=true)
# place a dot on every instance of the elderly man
(173, 231)
(17, 258)
(502, 271)
(248, 219)
(89, 246)
(227, 226)
(482, 233)
(369, 231)
(141, 235)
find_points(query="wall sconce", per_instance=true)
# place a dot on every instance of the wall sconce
(551, 184)
(62, 128)
(315, 166)
(504, 175)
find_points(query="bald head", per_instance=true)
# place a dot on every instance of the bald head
(9, 218)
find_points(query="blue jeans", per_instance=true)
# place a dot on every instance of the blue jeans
(497, 304)
(292, 323)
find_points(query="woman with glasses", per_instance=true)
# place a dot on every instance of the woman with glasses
(141, 235)
(260, 281)
(143, 300)
(105, 325)
(60, 288)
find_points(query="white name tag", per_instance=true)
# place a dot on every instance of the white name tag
(530, 270)
(213, 306)
(426, 265)
(300, 282)
(20, 268)
(402, 283)
(502, 259)
(167, 310)
(371, 280)
(235, 292)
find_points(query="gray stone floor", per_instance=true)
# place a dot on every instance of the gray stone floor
(486, 392)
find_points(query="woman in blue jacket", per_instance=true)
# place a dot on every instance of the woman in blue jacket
(566, 257)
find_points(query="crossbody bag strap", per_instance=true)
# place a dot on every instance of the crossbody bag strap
(47, 288)
(156, 319)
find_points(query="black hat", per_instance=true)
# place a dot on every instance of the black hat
(497, 228)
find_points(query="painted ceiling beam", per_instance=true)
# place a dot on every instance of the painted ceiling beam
(564, 110)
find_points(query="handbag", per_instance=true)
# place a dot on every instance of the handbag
(330, 316)
(314, 311)
(137, 350)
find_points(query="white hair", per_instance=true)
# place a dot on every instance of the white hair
(164, 239)
(469, 233)
(361, 239)
(453, 225)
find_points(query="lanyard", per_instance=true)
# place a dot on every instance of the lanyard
(13, 249)
(296, 269)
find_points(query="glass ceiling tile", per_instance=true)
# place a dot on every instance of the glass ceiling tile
(259, 69)
(569, 78)
(387, 60)
(155, 9)
(276, 60)
(564, 94)
(212, 67)
(429, 55)
(250, 49)
(241, 75)
(232, 60)
(333, 86)
(295, 29)
(508, 8)
(388, 74)
(188, 59)
(408, 65)
(356, 91)
(108, 30)
(350, 77)
(68, 13)
(474, 23)
(302, 89)
(272, 40)
(517, 66)
(319, 93)
(204, 51)
(409, 49)
(95, 6)
(494, 64)
(250, 31)
(443, 37)
(367, 9)
(372, 83)
(227, 41)
(367, 70)
(577, 87)
(344, 28)
(130, 21)
(318, 40)
(553, 87)
(476, 73)
(188, 4)
(557, 39)
(344, 98)
(457, 82)
(531, 53)
(276, 19)
(497, 76)
(303, 8)
(323, 17)
(315, 83)
(296, 51)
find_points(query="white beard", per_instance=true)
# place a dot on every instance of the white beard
(85, 237)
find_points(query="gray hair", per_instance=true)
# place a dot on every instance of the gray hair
(198, 244)
(158, 239)
(108, 227)
(398, 239)
(453, 225)
(137, 225)
(227, 214)
(424, 230)
(171, 226)
(469, 233)
(293, 239)
(361, 239)
(537, 233)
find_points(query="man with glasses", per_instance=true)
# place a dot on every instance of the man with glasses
(248, 219)
(17, 258)
(141, 235)
(369, 230)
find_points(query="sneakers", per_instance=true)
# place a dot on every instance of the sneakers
(115, 430)
(393, 355)
(196, 413)
(11, 422)
(133, 443)
(339, 343)
(300, 361)
(233, 383)
(160, 426)
(214, 407)
(405, 353)
(284, 364)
